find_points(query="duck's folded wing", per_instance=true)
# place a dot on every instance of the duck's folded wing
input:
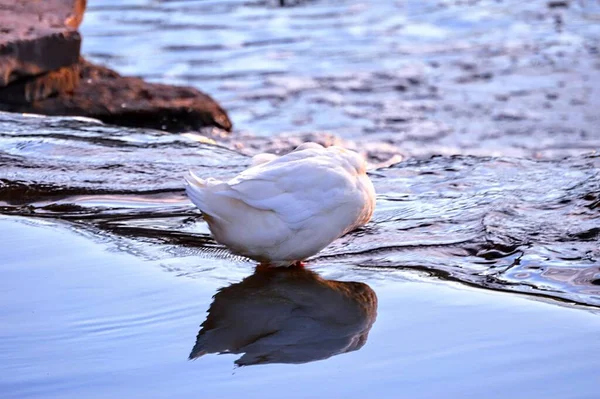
(296, 192)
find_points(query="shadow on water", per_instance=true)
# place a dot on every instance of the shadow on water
(287, 315)
(499, 223)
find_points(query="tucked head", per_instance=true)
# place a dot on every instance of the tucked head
(354, 160)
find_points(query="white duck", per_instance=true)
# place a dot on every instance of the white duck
(284, 209)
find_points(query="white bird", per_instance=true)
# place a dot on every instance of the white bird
(287, 315)
(284, 209)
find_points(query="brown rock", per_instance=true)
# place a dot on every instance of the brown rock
(38, 36)
(128, 101)
(51, 13)
(63, 80)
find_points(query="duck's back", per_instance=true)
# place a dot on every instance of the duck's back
(291, 207)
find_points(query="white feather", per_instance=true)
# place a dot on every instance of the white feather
(288, 208)
(262, 158)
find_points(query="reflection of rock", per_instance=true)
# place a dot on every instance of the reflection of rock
(104, 94)
(287, 315)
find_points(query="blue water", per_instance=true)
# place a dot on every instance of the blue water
(83, 320)
(415, 78)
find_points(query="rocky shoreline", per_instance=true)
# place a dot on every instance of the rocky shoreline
(42, 71)
(528, 91)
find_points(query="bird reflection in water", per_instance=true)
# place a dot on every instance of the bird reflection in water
(287, 315)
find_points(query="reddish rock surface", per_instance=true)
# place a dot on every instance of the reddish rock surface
(49, 13)
(24, 91)
(38, 36)
(128, 101)
(41, 72)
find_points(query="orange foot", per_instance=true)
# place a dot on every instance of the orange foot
(299, 263)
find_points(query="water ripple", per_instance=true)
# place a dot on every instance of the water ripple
(528, 226)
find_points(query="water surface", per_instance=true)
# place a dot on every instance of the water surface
(501, 223)
(513, 78)
(81, 319)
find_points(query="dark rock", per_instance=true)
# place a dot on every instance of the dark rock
(38, 36)
(24, 58)
(60, 81)
(128, 101)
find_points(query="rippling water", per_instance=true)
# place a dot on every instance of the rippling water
(397, 77)
(501, 223)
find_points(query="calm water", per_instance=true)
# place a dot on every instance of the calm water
(83, 321)
(478, 277)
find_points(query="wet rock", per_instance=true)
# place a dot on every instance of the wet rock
(41, 72)
(24, 91)
(128, 101)
(38, 36)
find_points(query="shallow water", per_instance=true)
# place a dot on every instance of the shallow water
(81, 321)
(501, 223)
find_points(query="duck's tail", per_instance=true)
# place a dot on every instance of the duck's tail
(199, 192)
(193, 180)
(194, 188)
